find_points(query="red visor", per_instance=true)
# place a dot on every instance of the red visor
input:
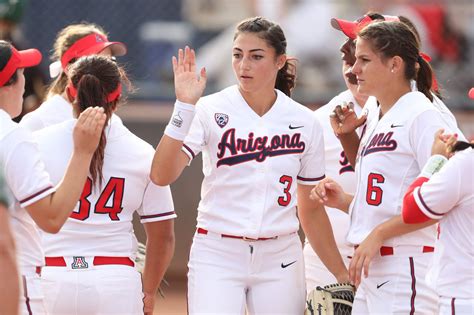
(19, 59)
(471, 93)
(351, 28)
(89, 45)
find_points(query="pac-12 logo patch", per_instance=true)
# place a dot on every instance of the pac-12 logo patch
(79, 262)
(221, 119)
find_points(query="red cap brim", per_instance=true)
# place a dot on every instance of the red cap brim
(471, 93)
(347, 27)
(117, 48)
(29, 58)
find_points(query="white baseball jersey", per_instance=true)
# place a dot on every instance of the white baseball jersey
(252, 163)
(101, 223)
(28, 181)
(53, 111)
(449, 197)
(392, 151)
(447, 117)
(5, 198)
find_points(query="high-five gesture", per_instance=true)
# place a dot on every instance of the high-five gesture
(187, 84)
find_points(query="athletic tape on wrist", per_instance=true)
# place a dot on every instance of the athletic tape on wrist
(180, 122)
(434, 164)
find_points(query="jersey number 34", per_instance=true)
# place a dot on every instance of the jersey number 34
(113, 190)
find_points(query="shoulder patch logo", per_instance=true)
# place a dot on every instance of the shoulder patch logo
(221, 119)
(79, 262)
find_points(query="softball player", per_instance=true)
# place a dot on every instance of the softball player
(9, 289)
(349, 140)
(90, 262)
(447, 196)
(71, 43)
(337, 167)
(36, 201)
(394, 147)
(259, 149)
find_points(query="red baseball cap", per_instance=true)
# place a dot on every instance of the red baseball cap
(351, 28)
(471, 93)
(92, 44)
(19, 59)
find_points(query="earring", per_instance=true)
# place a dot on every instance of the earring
(392, 71)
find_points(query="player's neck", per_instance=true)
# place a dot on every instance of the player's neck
(391, 96)
(261, 101)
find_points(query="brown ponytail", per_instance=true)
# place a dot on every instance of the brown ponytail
(286, 77)
(95, 77)
(424, 78)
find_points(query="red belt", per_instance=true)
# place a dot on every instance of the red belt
(204, 231)
(388, 250)
(97, 261)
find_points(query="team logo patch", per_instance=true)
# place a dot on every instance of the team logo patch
(79, 262)
(221, 119)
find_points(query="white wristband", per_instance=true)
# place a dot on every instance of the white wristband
(434, 164)
(180, 122)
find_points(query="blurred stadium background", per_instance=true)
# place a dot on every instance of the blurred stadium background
(154, 29)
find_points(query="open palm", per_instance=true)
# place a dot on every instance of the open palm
(188, 86)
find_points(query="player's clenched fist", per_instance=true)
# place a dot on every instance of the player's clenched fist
(88, 130)
(188, 85)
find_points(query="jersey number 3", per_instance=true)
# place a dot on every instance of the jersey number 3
(285, 200)
(113, 189)
(374, 193)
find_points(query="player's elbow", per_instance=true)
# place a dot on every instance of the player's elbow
(162, 179)
(50, 226)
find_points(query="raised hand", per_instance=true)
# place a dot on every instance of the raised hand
(344, 119)
(188, 86)
(88, 130)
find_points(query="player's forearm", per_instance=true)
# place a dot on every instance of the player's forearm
(51, 212)
(318, 231)
(159, 252)
(350, 144)
(9, 286)
(168, 161)
(395, 227)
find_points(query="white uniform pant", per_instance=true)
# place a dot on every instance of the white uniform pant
(107, 289)
(31, 295)
(396, 285)
(230, 276)
(452, 306)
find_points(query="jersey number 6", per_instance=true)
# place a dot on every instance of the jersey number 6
(374, 193)
(285, 200)
(113, 188)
